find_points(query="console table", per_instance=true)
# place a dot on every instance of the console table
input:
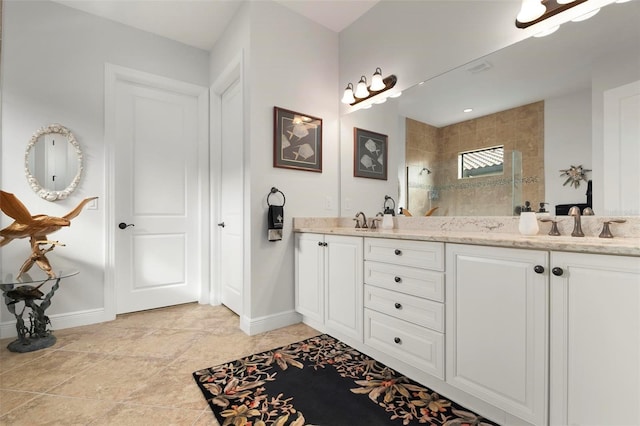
(27, 292)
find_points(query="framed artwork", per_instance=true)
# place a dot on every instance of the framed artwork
(297, 141)
(369, 154)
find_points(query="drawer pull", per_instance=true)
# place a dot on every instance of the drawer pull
(397, 340)
(398, 305)
(398, 252)
(398, 279)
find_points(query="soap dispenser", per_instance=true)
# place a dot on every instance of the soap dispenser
(543, 212)
(528, 221)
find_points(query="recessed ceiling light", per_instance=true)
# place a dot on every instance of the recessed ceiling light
(467, 110)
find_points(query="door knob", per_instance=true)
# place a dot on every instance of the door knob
(557, 271)
(221, 224)
(123, 225)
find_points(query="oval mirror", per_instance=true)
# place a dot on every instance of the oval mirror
(53, 162)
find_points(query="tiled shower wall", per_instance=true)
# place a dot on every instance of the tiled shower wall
(518, 129)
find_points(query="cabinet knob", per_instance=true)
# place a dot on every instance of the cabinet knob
(398, 305)
(397, 279)
(398, 252)
(325, 244)
(557, 271)
(539, 269)
(320, 243)
(397, 340)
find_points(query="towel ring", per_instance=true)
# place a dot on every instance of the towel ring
(275, 190)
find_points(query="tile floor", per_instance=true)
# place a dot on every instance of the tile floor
(135, 370)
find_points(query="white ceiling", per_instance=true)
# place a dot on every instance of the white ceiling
(200, 23)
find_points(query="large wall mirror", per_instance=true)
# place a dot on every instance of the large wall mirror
(53, 162)
(540, 99)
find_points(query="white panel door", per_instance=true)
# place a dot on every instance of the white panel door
(231, 200)
(344, 286)
(156, 261)
(622, 150)
(497, 327)
(595, 340)
(309, 270)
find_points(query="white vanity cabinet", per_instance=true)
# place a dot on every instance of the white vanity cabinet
(497, 327)
(595, 340)
(329, 287)
(403, 301)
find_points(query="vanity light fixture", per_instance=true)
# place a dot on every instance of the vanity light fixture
(535, 11)
(363, 92)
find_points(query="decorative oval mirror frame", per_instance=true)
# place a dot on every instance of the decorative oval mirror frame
(48, 194)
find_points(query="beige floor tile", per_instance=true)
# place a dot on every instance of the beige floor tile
(57, 410)
(43, 373)
(161, 343)
(222, 348)
(172, 387)
(142, 415)
(107, 339)
(12, 399)
(10, 360)
(111, 378)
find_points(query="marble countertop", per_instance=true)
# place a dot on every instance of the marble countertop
(629, 246)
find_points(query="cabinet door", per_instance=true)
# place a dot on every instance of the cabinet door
(344, 286)
(595, 340)
(309, 270)
(497, 327)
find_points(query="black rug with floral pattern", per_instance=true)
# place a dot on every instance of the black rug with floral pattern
(322, 381)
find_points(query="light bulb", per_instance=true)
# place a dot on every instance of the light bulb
(348, 98)
(531, 10)
(376, 81)
(361, 88)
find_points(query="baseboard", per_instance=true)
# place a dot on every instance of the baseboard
(61, 321)
(258, 325)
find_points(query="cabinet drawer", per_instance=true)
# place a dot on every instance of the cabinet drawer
(420, 254)
(425, 313)
(405, 279)
(410, 343)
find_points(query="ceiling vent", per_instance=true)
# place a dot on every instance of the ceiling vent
(479, 67)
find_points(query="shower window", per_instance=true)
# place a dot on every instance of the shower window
(481, 162)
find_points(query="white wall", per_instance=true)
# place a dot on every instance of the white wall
(289, 62)
(363, 194)
(53, 72)
(567, 142)
(294, 65)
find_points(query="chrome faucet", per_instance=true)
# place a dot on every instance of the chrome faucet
(577, 226)
(364, 220)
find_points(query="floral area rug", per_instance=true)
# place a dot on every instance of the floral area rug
(322, 381)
